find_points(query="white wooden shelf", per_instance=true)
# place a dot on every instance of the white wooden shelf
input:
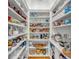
(15, 15)
(14, 36)
(39, 22)
(12, 13)
(39, 32)
(16, 24)
(14, 48)
(40, 17)
(67, 25)
(40, 55)
(18, 54)
(39, 27)
(38, 39)
(37, 47)
(25, 5)
(56, 44)
(62, 15)
(15, 2)
(62, 7)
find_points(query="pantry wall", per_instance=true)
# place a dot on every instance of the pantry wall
(39, 33)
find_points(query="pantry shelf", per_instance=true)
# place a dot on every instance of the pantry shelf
(58, 47)
(39, 22)
(39, 27)
(15, 15)
(16, 57)
(17, 4)
(38, 55)
(38, 39)
(14, 48)
(38, 47)
(62, 7)
(63, 16)
(16, 24)
(14, 36)
(38, 32)
(67, 25)
(40, 17)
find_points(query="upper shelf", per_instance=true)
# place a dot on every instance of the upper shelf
(67, 25)
(17, 4)
(12, 13)
(62, 15)
(40, 17)
(61, 8)
(14, 24)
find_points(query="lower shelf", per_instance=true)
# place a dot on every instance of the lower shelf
(42, 57)
(14, 48)
(38, 55)
(17, 55)
(58, 47)
(14, 36)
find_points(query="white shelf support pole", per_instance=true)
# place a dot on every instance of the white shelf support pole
(28, 35)
(50, 27)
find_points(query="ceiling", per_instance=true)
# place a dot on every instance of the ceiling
(40, 4)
